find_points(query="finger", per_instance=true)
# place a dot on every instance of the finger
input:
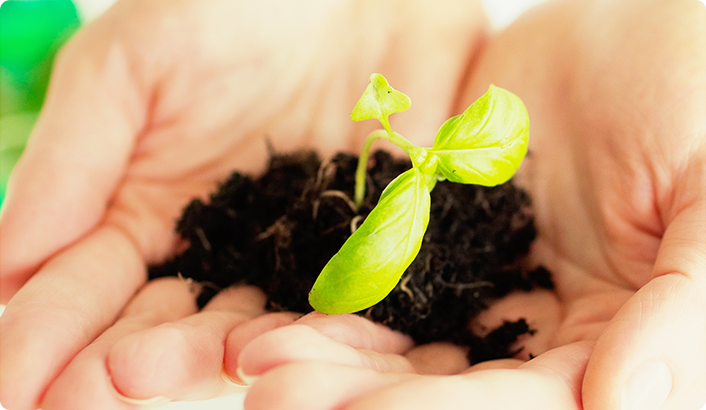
(652, 356)
(74, 158)
(434, 358)
(351, 330)
(496, 364)
(316, 386)
(358, 332)
(183, 360)
(298, 343)
(550, 381)
(62, 309)
(438, 358)
(85, 384)
(343, 339)
(244, 333)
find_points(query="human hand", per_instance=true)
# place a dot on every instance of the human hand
(152, 105)
(617, 171)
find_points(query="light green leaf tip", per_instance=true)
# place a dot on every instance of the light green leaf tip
(486, 144)
(371, 262)
(379, 100)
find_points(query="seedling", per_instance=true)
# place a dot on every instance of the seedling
(485, 145)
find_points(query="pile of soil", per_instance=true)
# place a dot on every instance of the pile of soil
(279, 230)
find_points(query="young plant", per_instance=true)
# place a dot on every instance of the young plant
(484, 146)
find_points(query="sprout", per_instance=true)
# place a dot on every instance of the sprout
(484, 146)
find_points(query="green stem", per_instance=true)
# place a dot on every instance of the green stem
(386, 124)
(359, 193)
(410, 149)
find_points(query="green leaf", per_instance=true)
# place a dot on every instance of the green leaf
(373, 259)
(379, 100)
(486, 144)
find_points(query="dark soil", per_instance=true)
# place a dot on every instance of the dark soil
(278, 231)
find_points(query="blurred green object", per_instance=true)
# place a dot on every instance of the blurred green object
(31, 32)
(14, 130)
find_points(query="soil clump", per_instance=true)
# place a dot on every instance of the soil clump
(278, 231)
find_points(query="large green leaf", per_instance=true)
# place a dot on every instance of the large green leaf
(379, 100)
(486, 144)
(373, 259)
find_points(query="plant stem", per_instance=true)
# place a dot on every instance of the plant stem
(359, 193)
(417, 154)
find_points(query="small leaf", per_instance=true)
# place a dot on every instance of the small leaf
(379, 100)
(372, 261)
(486, 144)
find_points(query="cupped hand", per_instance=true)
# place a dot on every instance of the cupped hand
(151, 105)
(617, 172)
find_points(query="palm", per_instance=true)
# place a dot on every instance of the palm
(211, 114)
(221, 110)
(600, 156)
(610, 133)
(152, 105)
(611, 136)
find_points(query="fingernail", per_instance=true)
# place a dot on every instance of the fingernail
(233, 382)
(249, 380)
(647, 388)
(139, 402)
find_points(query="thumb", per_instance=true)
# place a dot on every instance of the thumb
(653, 353)
(74, 159)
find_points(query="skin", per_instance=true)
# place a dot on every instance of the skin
(135, 125)
(152, 104)
(617, 175)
